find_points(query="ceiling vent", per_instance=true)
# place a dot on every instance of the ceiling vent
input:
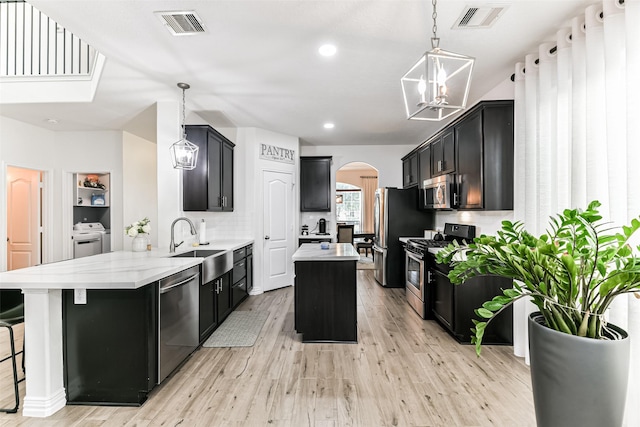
(181, 23)
(479, 16)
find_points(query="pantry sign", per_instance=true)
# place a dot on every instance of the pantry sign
(277, 154)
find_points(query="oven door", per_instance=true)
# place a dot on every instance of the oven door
(414, 278)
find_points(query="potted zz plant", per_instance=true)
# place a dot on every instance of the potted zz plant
(579, 362)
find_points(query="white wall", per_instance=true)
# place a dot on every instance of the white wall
(251, 138)
(59, 154)
(385, 158)
(97, 151)
(140, 185)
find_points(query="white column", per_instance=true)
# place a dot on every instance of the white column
(45, 393)
(169, 179)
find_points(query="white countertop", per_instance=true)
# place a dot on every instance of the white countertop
(336, 252)
(113, 270)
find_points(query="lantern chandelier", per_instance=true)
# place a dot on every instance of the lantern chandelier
(437, 86)
(184, 154)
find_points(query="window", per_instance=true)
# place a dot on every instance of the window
(350, 210)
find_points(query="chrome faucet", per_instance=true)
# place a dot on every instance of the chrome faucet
(172, 245)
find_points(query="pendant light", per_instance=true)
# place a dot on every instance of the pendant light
(437, 86)
(184, 154)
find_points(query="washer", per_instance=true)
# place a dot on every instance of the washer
(90, 238)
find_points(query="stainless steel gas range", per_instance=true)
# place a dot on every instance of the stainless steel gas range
(419, 273)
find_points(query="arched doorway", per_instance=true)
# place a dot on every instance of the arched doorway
(356, 183)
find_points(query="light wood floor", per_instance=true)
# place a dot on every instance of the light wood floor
(404, 371)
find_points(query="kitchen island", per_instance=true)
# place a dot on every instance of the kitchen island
(43, 288)
(325, 292)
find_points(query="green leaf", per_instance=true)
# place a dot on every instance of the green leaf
(511, 293)
(502, 300)
(483, 312)
(492, 305)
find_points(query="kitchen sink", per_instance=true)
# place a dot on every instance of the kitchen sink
(204, 253)
(216, 262)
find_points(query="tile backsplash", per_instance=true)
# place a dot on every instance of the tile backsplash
(224, 225)
(486, 222)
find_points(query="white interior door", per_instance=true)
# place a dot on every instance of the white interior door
(278, 240)
(23, 218)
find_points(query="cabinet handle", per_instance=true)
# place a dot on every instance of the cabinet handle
(456, 200)
(266, 237)
(439, 165)
(429, 276)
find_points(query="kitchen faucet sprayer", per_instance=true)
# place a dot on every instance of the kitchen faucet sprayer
(172, 245)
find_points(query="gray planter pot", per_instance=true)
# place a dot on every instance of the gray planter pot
(577, 381)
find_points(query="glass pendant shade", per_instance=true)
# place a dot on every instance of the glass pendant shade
(437, 86)
(184, 154)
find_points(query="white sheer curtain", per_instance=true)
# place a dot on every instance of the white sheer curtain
(577, 108)
(369, 186)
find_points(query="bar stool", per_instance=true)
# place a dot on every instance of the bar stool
(8, 319)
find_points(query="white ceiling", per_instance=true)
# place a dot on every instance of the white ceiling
(257, 64)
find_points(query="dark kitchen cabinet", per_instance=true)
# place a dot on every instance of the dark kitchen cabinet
(454, 305)
(424, 163)
(241, 270)
(223, 295)
(469, 178)
(249, 269)
(325, 301)
(442, 291)
(110, 346)
(484, 141)
(207, 306)
(315, 184)
(410, 170)
(443, 154)
(424, 172)
(209, 187)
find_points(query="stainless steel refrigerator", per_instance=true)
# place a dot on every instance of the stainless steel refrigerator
(395, 215)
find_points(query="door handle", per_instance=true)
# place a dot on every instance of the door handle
(266, 237)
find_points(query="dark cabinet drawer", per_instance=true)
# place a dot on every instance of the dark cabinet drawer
(239, 254)
(239, 270)
(239, 291)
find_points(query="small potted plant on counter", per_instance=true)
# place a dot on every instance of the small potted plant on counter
(579, 362)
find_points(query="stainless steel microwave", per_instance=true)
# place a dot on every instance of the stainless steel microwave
(438, 192)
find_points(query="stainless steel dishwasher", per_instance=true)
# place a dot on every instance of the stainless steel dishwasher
(178, 323)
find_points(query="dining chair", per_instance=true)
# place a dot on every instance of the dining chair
(345, 234)
(366, 244)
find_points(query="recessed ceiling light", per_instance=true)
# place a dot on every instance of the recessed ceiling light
(52, 121)
(327, 50)
(329, 125)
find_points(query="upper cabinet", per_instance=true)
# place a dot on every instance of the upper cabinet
(478, 149)
(315, 184)
(209, 187)
(443, 154)
(92, 190)
(484, 152)
(469, 140)
(410, 170)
